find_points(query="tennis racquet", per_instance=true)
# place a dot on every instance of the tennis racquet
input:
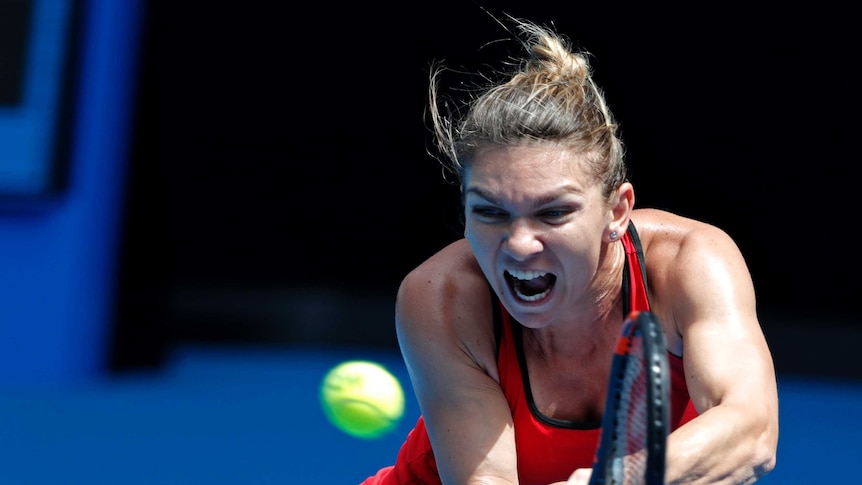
(635, 424)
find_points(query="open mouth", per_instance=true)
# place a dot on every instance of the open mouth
(530, 285)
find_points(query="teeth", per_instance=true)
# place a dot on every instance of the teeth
(526, 275)
(535, 297)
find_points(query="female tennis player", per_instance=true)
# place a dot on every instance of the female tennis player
(508, 333)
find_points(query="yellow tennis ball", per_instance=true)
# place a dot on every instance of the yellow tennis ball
(362, 398)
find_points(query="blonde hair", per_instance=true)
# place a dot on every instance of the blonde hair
(550, 96)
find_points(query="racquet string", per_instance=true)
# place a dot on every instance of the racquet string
(628, 452)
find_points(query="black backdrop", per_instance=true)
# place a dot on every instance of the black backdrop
(280, 156)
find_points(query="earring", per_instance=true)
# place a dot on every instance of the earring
(613, 235)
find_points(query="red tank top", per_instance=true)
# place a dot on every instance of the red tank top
(549, 450)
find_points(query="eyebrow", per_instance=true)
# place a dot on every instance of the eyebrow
(539, 203)
(483, 194)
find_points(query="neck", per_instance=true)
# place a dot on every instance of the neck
(607, 295)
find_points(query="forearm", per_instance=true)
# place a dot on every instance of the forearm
(725, 445)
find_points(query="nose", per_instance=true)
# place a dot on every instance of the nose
(522, 241)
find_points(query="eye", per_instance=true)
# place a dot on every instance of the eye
(489, 212)
(556, 215)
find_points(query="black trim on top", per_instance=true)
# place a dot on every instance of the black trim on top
(518, 337)
(636, 241)
(626, 287)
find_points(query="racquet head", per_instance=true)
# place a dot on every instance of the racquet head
(635, 424)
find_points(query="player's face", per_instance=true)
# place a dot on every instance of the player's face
(535, 219)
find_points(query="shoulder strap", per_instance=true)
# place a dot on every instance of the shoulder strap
(634, 278)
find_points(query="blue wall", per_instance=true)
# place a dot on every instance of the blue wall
(58, 265)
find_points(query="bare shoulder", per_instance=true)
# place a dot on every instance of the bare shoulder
(448, 276)
(443, 307)
(693, 269)
(667, 236)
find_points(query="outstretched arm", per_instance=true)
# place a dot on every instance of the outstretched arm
(443, 319)
(707, 295)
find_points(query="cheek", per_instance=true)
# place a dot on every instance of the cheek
(480, 241)
(484, 254)
(470, 230)
(473, 237)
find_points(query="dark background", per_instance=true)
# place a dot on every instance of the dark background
(280, 185)
(14, 19)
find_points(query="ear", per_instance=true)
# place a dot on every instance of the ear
(620, 209)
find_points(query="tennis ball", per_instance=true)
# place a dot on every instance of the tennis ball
(362, 398)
